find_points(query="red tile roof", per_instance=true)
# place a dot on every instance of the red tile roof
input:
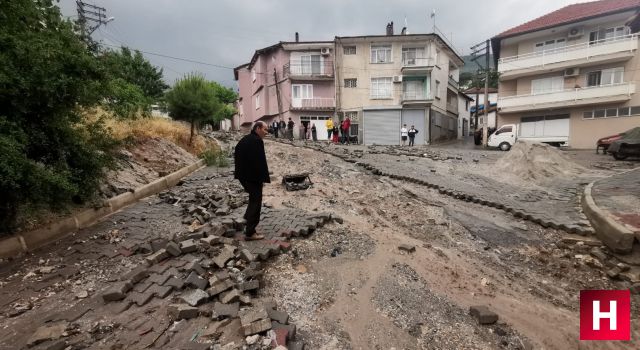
(572, 13)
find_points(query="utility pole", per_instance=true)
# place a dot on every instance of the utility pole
(275, 81)
(477, 51)
(90, 17)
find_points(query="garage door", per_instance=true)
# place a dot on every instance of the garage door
(382, 127)
(545, 126)
(416, 118)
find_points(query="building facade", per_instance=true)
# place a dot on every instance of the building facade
(385, 81)
(572, 72)
(289, 80)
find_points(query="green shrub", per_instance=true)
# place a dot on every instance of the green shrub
(215, 157)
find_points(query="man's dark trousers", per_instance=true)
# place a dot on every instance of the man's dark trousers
(252, 215)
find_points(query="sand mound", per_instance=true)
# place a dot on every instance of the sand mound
(537, 161)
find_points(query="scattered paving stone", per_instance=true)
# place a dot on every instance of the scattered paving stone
(253, 314)
(188, 246)
(196, 267)
(250, 285)
(246, 255)
(245, 300)
(48, 332)
(160, 291)
(282, 336)
(220, 286)
(182, 312)
(194, 297)
(407, 248)
(175, 282)
(225, 255)
(57, 345)
(278, 316)
(196, 281)
(159, 279)
(614, 273)
(210, 240)
(116, 292)
(252, 339)
(221, 310)
(82, 294)
(157, 257)
(483, 314)
(173, 248)
(257, 327)
(136, 275)
(296, 345)
(230, 296)
(140, 299)
(291, 328)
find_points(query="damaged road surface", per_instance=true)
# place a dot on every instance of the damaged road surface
(356, 261)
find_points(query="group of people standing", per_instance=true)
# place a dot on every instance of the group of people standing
(408, 133)
(282, 129)
(339, 132)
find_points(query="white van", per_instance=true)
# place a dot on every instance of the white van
(507, 135)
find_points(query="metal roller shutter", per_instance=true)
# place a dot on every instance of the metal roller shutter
(415, 117)
(382, 127)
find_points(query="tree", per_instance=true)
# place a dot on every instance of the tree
(136, 70)
(49, 155)
(469, 80)
(224, 94)
(193, 99)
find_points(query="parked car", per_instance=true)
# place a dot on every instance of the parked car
(477, 135)
(606, 141)
(627, 145)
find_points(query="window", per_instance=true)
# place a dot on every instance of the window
(257, 100)
(466, 105)
(353, 116)
(545, 85)
(587, 115)
(437, 89)
(349, 50)
(635, 110)
(311, 64)
(351, 83)
(550, 45)
(414, 90)
(613, 33)
(381, 54)
(623, 111)
(599, 113)
(301, 91)
(504, 129)
(381, 87)
(611, 112)
(605, 77)
(413, 56)
(253, 75)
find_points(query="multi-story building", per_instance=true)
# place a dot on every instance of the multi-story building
(288, 80)
(572, 72)
(489, 119)
(464, 114)
(385, 81)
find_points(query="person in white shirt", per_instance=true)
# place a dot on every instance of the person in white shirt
(403, 134)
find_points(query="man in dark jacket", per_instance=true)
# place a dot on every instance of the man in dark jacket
(252, 171)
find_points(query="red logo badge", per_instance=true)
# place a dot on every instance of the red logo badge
(605, 315)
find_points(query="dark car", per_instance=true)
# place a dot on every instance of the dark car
(606, 141)
(627, 145)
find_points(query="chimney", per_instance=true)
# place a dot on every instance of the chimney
(297, 37)
(404, 31)
(390, 28)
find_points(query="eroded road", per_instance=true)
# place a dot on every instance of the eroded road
(347, 285)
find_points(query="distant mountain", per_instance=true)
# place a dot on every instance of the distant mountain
(471, 66)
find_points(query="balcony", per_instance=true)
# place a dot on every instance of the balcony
(417, 65)
(317, 70)
(567, 98)
(453, 84)
(313, 104)
(416, 97)
(586, 53)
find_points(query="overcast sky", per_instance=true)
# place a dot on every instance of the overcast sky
(227, 32)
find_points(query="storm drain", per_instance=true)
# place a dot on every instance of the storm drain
(296, 182)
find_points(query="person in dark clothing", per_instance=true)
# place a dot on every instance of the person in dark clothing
(412, 135)
(282, 126)
(290, 125)
(252, 171)
(314, 133)
(275, 127)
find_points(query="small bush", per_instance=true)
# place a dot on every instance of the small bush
(215, 157)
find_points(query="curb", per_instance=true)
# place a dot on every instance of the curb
(28, 241)
(614, 235)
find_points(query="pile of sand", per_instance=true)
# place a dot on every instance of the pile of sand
(537, 161)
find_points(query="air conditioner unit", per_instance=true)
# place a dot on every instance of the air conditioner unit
(571, 72)
(575, 32)
(325, 51)
(397, 78)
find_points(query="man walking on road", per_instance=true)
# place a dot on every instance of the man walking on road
(252, 170)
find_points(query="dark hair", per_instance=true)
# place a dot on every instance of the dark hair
(258, 123)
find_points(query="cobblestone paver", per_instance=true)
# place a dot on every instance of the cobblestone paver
(125, 295)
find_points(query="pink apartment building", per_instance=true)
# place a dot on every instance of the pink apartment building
(288, 80)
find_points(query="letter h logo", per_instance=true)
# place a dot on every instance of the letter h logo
(605, 315)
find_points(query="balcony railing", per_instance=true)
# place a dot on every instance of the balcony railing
(584, 50)
(313, 103)
(417, 62)
(415, 96)
(568, 97)
(317, 69)
(453, 82)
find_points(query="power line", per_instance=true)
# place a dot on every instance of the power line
(178, 58)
